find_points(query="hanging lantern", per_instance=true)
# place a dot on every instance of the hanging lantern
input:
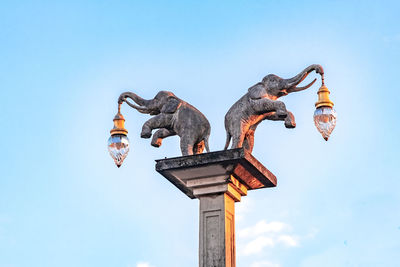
(118, 143)
(324, 115)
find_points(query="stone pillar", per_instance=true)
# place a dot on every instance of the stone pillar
(217, 197)
(217, 231)
(218, 180)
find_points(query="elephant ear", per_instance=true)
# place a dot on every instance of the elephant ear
(257, 91)
(171, 106)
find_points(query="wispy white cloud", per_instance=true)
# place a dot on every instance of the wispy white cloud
(288, 240)
(143, 264)
(264, 264)
(257, 245)
(262, 227)
(253, 240)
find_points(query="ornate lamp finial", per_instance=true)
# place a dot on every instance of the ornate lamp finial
(324, 115)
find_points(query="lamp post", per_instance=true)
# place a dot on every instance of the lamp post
(218, 179)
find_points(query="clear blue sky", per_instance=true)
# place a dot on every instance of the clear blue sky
(64, 63)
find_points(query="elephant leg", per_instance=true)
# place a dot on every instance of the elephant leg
(159, 121)
(248, 142)
(289, 120)
(265, 105)
(237, 140)
(186, 146)
(239, 132)
(159, 135)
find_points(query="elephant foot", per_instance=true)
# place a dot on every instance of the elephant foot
(198, 148)
(157, 142)
(145, 135)
(146, 132)
(290, 125)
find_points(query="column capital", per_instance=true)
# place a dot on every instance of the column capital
(231, 171)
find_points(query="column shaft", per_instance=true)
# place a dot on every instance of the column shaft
(217, 231)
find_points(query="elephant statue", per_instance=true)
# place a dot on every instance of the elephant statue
(172, 116)
(260, 103)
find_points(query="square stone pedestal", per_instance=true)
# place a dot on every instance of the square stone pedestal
(218, 180)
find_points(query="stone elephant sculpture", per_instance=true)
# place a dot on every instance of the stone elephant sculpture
(172, 116)
(260, 103)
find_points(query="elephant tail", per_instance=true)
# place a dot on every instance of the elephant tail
(206, 144)
(228, 140)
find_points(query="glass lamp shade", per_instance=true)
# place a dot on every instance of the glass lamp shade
(118, 146)
(325, 120)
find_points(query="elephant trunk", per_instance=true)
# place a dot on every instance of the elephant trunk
(294, 81)
(138, 100)
(143, 103)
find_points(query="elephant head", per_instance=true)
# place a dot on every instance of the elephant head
(274, 86)
(163, 102)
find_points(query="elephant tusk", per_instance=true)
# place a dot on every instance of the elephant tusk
(297, 89)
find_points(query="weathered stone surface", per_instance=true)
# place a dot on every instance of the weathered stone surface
(218, 180)
(260, 103)
(218, 167)
(172, 116)
(217, 231)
